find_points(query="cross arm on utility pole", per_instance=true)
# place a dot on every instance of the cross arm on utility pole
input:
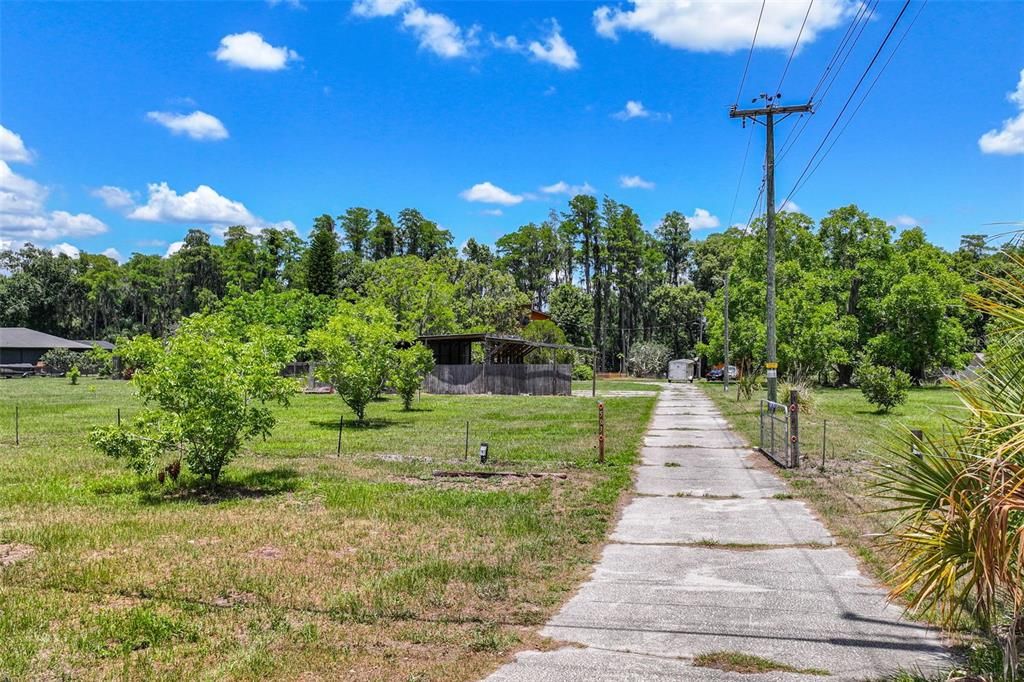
(763, 111)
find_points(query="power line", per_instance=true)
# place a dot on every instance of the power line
(837, 61)
(750, 54)
(849, 99)
(862, 14)
(860, 103)
(795, 46)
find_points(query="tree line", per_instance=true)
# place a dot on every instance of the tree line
(849, 287)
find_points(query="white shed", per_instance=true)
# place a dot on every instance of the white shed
(682, 370)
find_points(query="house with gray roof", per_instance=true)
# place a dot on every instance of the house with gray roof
(21, 346)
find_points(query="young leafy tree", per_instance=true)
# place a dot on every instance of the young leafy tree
(322, 258)
(883, 387)
(355, 352)
(411, 365)
(207, 390)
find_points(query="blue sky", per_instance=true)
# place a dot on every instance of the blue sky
(124, 124)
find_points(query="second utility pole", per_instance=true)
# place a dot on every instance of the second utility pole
(769, 112)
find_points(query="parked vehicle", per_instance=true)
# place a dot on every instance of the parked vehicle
(716, 373)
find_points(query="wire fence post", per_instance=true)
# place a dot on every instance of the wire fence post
(17, 425)
(466, 455)
(600, 433)
(119, 416)
(918, 436)
(341, 425)
(824, 430)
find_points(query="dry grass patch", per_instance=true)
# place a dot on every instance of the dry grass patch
(13, 552)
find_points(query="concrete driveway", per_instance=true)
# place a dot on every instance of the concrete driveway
(707, 559)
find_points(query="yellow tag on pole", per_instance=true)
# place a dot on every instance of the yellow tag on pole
(771, 365)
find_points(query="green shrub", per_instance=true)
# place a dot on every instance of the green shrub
(648, 359)
(885, 388)
(207, 390)
(96, 360)
(73, 374)
(411, 365)
(747, 384)
(59, 360)
(582, 372)
(807, 399)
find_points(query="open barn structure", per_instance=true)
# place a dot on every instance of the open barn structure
(496, 363)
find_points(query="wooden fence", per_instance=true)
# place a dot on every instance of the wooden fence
(513, 379)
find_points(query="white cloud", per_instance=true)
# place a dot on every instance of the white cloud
(906, 221)
(1009, 139)
(636, 109)
(201, 205)
(722, 25)
(439, 34)
(68, 250)
(12, 148)
(249, 51)
(379, 8)
(702, 220)
(551, 89)
(490, 211)
(198, 125)
(790, 206)
(174, 248)
(112, 253)
(294, 4)
(114, 197)
(488, 193)
(563, 187)
(635, 182)
(554, 49)
(24, 217)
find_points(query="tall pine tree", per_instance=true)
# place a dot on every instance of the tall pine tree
(322, 258)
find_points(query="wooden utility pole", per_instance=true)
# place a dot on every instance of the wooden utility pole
(725, 345)
(769, 112)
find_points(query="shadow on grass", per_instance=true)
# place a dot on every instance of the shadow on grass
(248, 486)
(355, 425)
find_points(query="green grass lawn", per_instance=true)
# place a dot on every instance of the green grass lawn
(302, 563)
(606, 385)
(857, 438)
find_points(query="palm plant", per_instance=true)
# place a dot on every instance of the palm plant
(959, 541)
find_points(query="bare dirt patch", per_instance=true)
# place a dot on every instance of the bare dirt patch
(13, 552)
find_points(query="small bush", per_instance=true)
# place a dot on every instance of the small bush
(73, 374)
(648, 359)
(582, 372)
(807, 399)
(58, 360)
(747, 384)
(885, 388)
(96, 360)
(411, 365)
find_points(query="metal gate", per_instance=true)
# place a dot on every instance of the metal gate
(775, 440)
